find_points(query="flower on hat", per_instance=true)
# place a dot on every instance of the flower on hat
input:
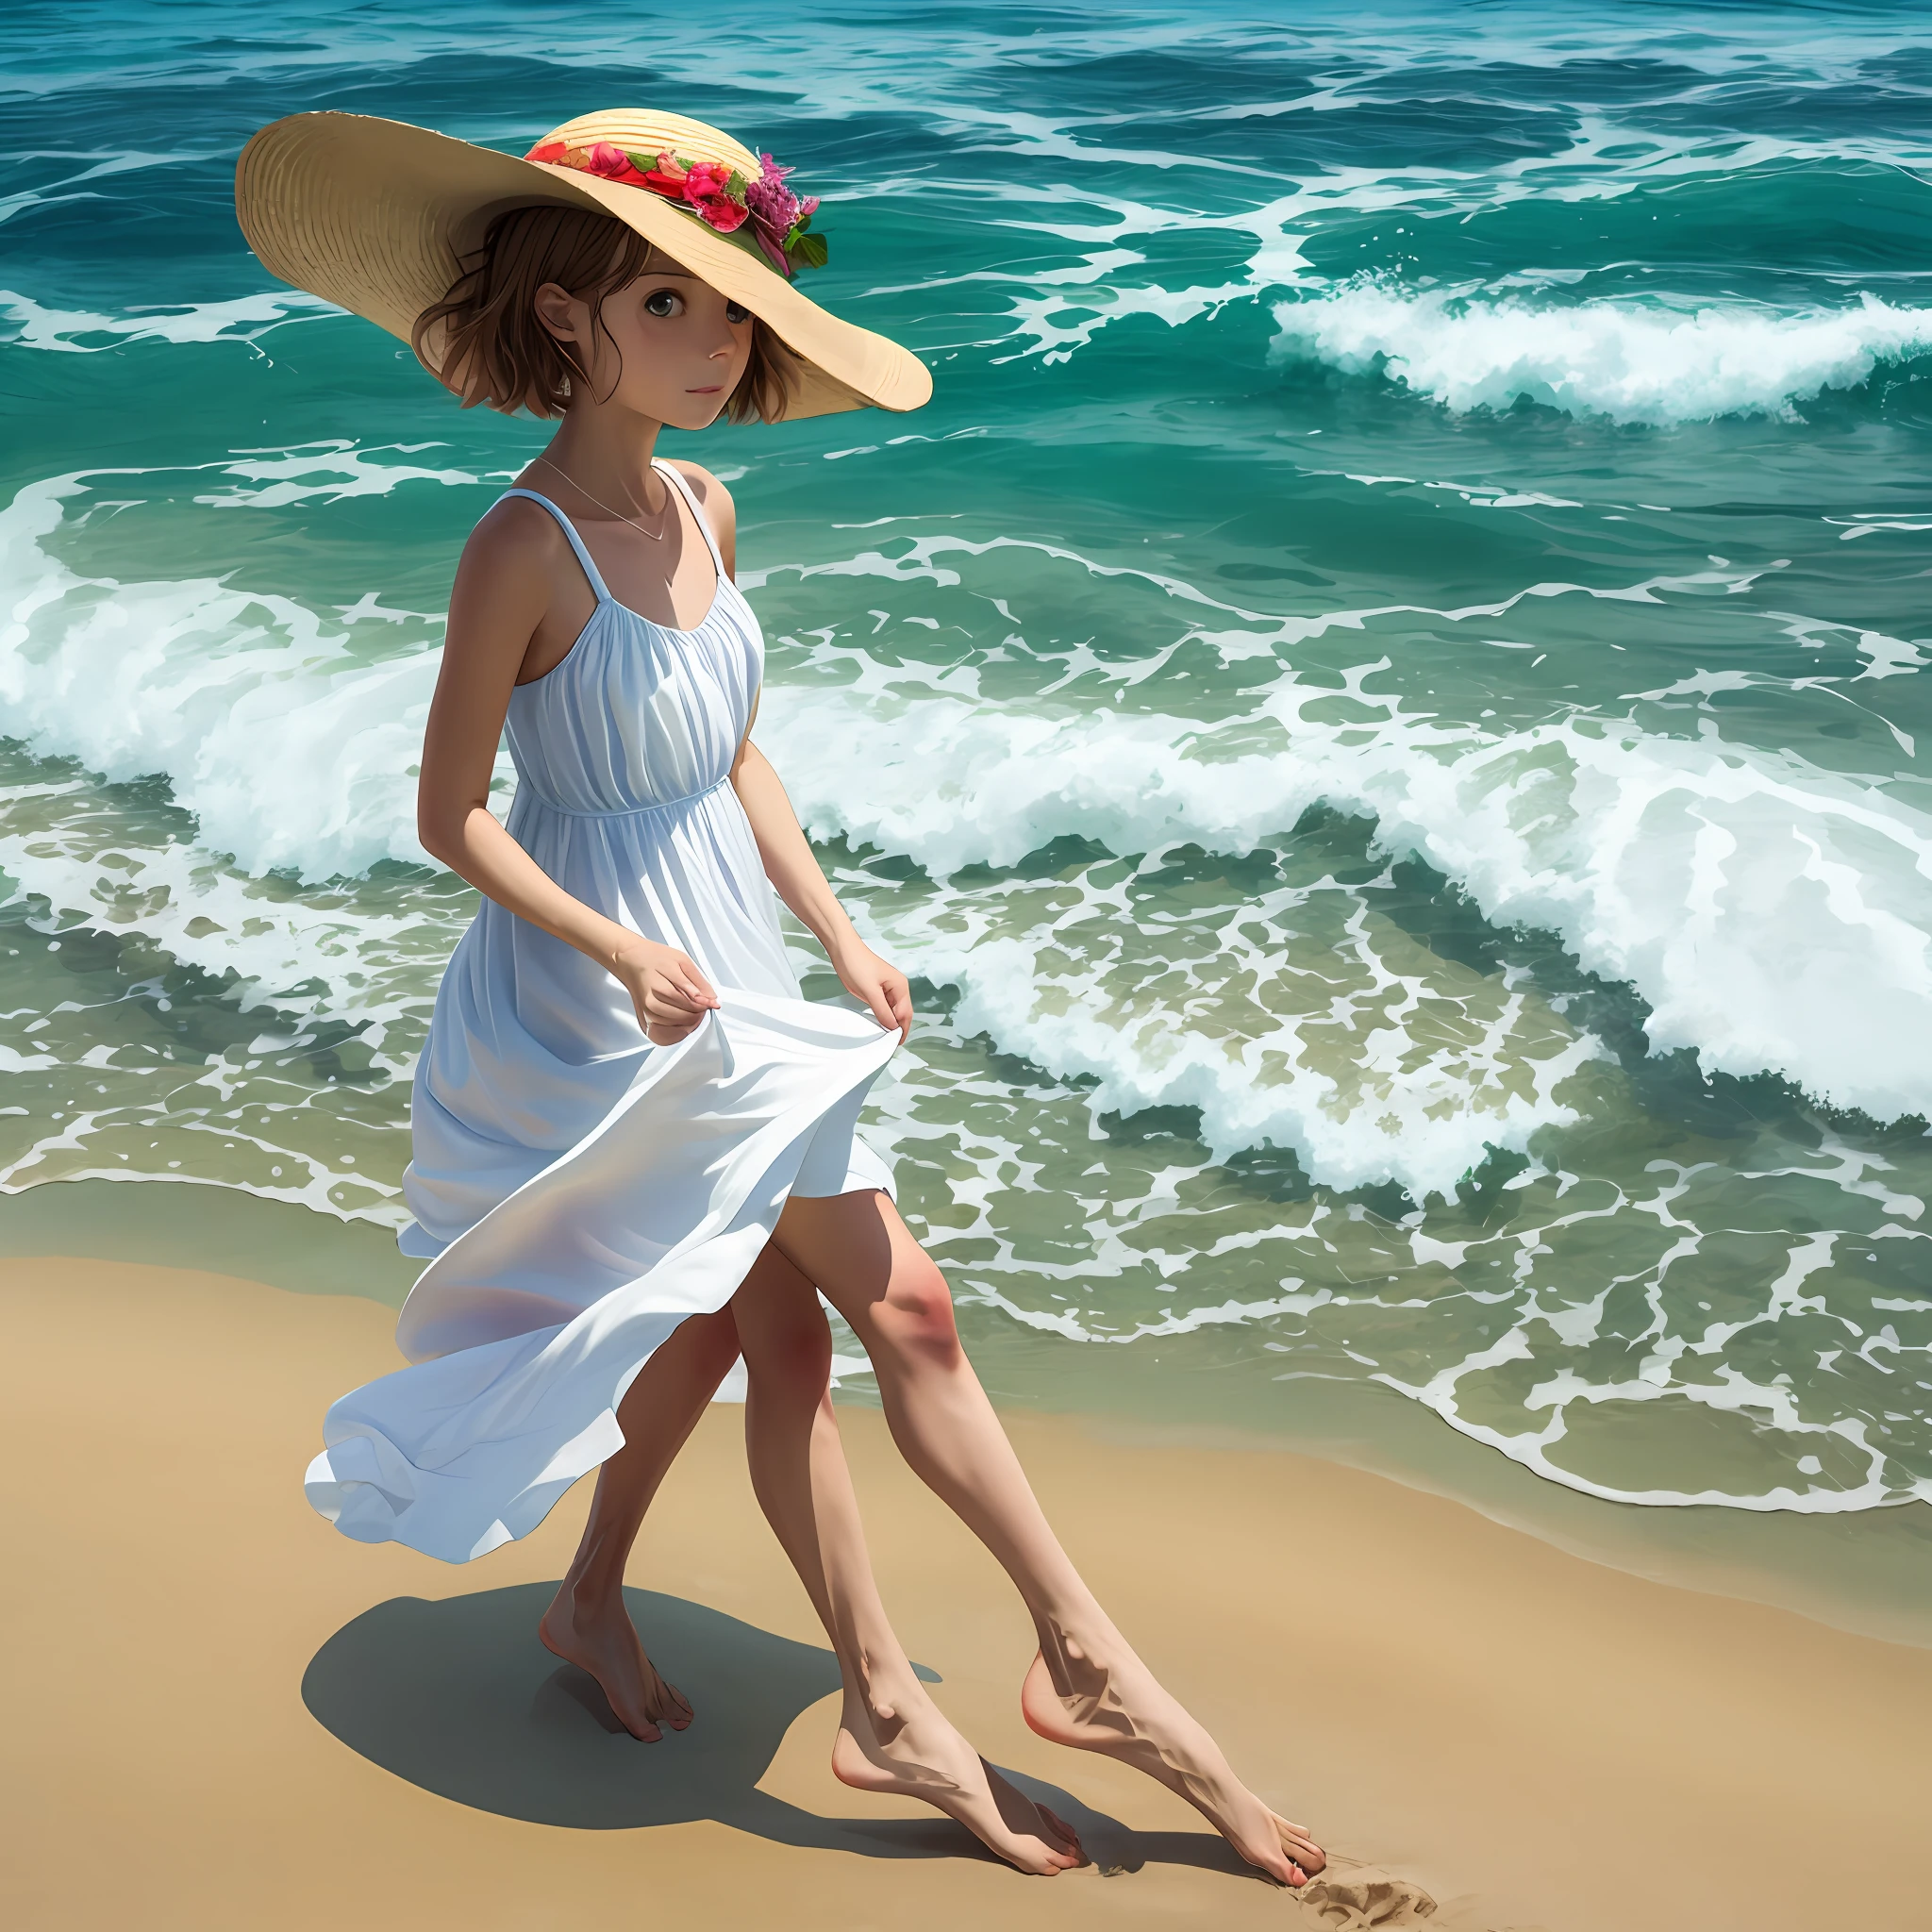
(717, 193)
(611, 162)
(667, 175)
(782, 217)
(720, 195)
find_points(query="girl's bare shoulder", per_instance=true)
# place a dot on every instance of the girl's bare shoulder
(511, 567)
(706, 489)
(514, 541)
(514, 533)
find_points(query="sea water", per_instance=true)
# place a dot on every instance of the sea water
(1382, 702)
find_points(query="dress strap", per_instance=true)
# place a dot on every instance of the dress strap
(576, 542)
(674, 476)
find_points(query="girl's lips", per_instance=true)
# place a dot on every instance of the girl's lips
(711, 390)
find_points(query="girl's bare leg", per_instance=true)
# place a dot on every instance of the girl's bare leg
(892, 1736)
(1086, 1688)
(587, 1623)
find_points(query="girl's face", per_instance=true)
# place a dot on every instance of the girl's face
(669, 347)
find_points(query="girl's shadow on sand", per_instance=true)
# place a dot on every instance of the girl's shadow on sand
(458, 1697)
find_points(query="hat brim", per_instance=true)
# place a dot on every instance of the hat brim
(374, 215)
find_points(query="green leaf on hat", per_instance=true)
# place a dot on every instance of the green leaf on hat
(808, 251)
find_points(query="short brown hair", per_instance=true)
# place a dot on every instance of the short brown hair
(495, 349)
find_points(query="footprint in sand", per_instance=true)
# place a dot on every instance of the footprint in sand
(1353, 1897)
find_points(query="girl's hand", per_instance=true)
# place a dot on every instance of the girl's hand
(669, 992)
(882, 987)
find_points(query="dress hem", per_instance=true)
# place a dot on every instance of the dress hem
(501, 1410)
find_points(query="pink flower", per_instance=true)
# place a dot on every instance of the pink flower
(708, 189)
(773, 204)
(611, 163)
(667, 177)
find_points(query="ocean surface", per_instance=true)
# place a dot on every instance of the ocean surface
(1385, 701)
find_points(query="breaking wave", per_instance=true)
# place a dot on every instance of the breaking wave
(1630, 363)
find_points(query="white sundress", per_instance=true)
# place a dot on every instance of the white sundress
(578, 1192)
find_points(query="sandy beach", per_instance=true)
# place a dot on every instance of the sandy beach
(223, 1714)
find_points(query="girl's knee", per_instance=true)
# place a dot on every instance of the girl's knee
(796, 1352)
(916, 1315)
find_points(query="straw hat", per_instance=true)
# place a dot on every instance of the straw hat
(373, 215)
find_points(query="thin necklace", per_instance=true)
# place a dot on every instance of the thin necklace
(656, 536)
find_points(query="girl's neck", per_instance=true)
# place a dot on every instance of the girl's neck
(609, 454)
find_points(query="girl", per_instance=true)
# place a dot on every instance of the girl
(635, 1152)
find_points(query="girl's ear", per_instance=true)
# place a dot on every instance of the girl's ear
(557, 309)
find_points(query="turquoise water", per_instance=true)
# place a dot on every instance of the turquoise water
(1382, 700)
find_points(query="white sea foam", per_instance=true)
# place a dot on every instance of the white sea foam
(1688, 1362)
(329, 472)
(243, 319)
(238, 698)
(1739, 890)
(1408, 1109)
(1631, 363)
(1118, 220)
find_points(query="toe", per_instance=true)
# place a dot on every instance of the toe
(1300, 1847)
(1068, 1838)
(1054, 1859)
(669, 1707)
(1021, 1850)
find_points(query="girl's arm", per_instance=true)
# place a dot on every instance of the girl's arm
(501, 594)
(795, 873)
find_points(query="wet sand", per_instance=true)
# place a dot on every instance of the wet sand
(221, 1714)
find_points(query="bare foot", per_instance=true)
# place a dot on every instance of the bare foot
(914, 1752)
(1124, 1712)
(600, 1638)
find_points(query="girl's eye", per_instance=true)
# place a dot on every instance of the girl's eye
(736, 312)
(662, 302)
